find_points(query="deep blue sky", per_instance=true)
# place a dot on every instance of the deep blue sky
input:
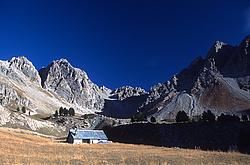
(120, 42)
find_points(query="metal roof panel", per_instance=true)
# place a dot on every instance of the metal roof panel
(88, 134)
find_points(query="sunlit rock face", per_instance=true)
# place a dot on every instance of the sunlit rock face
(20, 69)
(15, 74)
(26, 67)
(73, 85)
(126, 92)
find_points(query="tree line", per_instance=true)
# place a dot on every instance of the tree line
(208, 116)
(64, 112)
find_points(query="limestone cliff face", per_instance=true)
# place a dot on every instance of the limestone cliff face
(14, 74)
(73, 85)
(23, 65)
(10, 97)
(20, 86)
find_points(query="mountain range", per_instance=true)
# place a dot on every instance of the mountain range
(219, 82)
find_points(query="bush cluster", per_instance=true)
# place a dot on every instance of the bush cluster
(64, 112)
(181, 117)
(23, 109)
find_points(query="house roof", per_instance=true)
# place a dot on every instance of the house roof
(88, 134)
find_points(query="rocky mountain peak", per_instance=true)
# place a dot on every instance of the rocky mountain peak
(219, 49)
(245, 45)
(105, 90)
(218, 45)
(72, 84)
(62, 60)
(65, 66)
(26, 67)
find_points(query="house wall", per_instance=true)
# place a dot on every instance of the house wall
(77, 141)
(98, 141)
(95, 141)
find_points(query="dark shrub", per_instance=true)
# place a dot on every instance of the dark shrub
(71, 112)
(235, 118)
(181, 117)
(152, 119)
(244, 118)
(208, 116)
(65, 111)
(56, 114)
(61, 111)
(23, 109)
(228, 118)
(132, 119)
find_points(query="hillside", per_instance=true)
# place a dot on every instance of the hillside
(19, 147)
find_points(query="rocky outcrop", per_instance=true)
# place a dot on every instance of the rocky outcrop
(23, 65)
(20, 69)
(10, 97)
(14, 74)
(220, 82)
(10, 119)
(20, 86)
(161, 90)
(232, 61)
(127, 91)
(73, 85)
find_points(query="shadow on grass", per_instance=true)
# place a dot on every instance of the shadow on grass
(232, 136)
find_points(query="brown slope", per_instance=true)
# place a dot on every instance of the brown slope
(224, 98)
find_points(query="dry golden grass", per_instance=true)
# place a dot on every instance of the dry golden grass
(20, 147)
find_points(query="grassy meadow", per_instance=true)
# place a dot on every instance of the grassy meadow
(23, 147)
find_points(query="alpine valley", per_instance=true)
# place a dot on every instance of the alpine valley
(220, 82)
